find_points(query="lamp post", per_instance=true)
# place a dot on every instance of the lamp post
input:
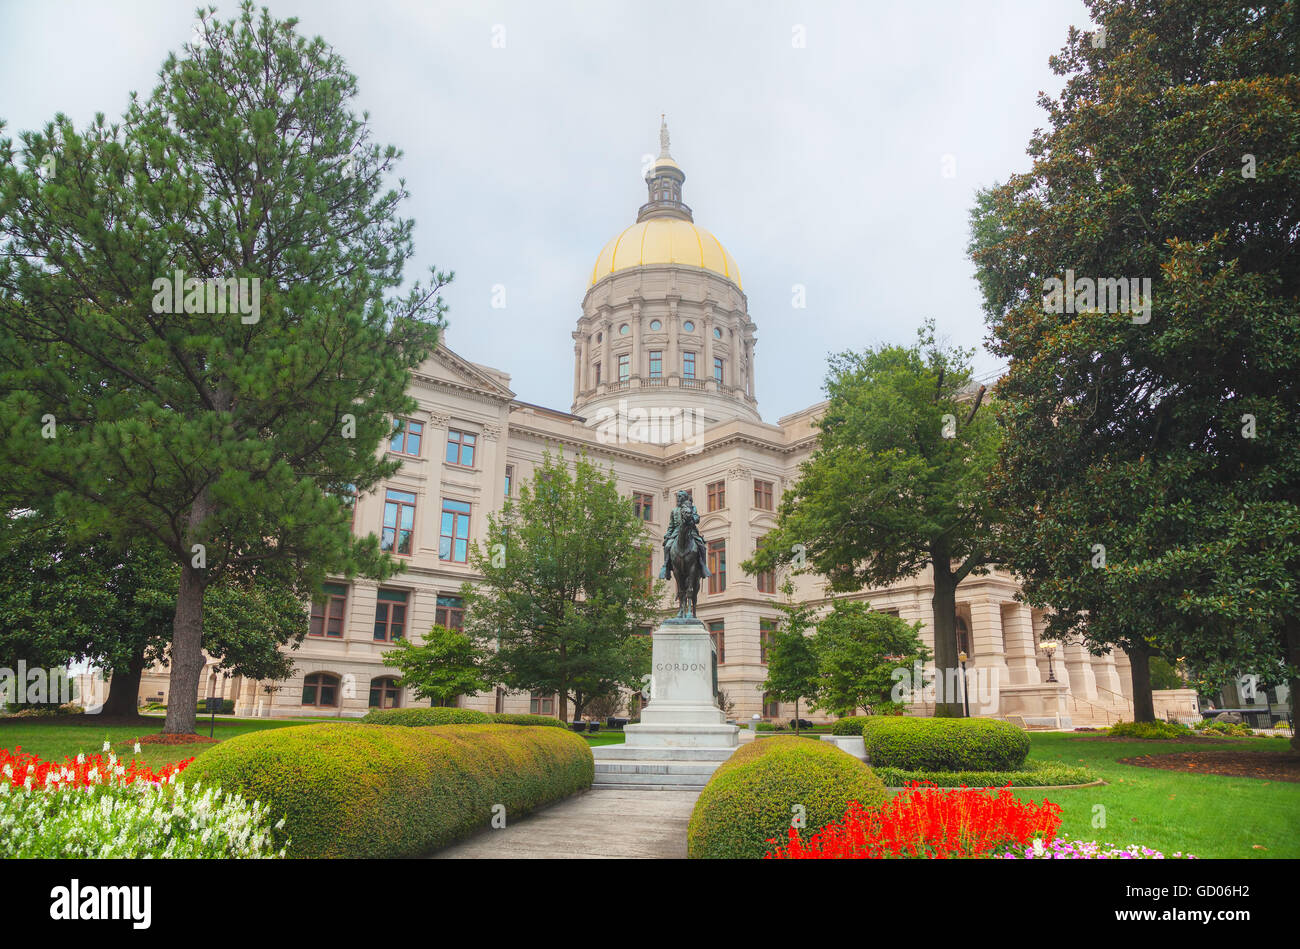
(965, 692)
(1049, 647)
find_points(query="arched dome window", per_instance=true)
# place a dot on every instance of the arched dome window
(688, 326)
(656, 325)
(717, 333)
(623, 330)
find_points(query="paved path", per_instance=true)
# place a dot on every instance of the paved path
(599, 824)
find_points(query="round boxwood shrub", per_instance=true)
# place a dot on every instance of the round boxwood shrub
(851, 725)
(945, 744)
(352, 790)
(417, 717)
(507, 718)
(750, 798)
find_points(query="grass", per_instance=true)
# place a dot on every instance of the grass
(1203, 814)
(603, 738)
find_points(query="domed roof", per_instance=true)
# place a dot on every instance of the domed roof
(666, 240)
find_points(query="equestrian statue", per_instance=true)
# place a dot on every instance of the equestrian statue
(685, 554)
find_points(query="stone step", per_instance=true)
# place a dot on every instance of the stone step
(599, 785)
(636, 753)
(606, 766)
(660, 773)
(628, 780)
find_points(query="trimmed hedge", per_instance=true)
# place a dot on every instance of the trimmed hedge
(946, 744)
(858, 724)
(506, 718)
(749, 799)
(1032, 774)
(419, 717)
(1157, 730)
(351, 790)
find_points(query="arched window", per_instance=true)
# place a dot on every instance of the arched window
(385, 692)
(321, 690)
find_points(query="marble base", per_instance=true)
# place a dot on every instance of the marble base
(682, 711)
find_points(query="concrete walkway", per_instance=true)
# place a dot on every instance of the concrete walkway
(599, 824)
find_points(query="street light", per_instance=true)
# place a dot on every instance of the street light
(1049, 647)
(965, 692)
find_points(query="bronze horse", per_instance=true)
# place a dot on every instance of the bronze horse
(686, 568)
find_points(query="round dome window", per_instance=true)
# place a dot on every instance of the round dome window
(717, 333)
(656, 325)
(623, 330)
(688, 326)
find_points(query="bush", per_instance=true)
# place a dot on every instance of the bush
(1032, 774)
(945, 744)
(1229, 730)
(420, 717)
(352, 790)
(749, 799)
(1158, 731)
(506, 718)
(852, 725)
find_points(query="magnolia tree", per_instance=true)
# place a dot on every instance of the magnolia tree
(1141, 278)
(202, 339)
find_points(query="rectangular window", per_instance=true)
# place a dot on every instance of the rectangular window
(766, 578)
(717, 566)
(766, 632)
(763, 495)
(688, 365)
(399, 522)
(406, 441)
(453, 539)
(390, 615)
(450, 612)
(510, 477)
(327, 612)
(771, 707)
(717, 368)
(624, 367)
(717, 632)
(717, 498)
(644, 504)
(656, 364)
(460, 448)
(540, 704)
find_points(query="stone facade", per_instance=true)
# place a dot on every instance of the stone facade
(664, 395)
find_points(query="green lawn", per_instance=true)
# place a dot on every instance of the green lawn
(1207, 815)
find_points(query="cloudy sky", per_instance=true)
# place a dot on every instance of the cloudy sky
(814, 136)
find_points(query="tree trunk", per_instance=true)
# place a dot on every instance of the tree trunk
(1144, 709)
(947, 703)
(1291, 651)
(124, 689)
(796, 716)
(186, 654)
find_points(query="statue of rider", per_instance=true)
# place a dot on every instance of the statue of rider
(684, 517)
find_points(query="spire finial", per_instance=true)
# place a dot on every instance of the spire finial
(663, 136)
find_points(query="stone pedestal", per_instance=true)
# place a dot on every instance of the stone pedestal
(682, 712)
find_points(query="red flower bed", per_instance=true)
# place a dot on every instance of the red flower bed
(924, 821)
(28, 771)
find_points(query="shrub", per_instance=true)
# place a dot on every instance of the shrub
(946, 744)
(506, 718)
(1032, 774)
(1149, 730)
(852, 725)
(141, 819)
(420, 717)
(353, 790)
(1229, 729)
(750, 798)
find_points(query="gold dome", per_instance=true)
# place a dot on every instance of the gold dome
(666, 240)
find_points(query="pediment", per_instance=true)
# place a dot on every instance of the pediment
(446, 366)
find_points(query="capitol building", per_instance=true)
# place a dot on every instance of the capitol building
(664, 395)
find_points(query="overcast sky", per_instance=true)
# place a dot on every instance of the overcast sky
(820, 164)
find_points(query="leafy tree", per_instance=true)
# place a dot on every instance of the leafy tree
(1151, 467)
(897, 483)
(564, 590)
(226, 428)
(62, 601)
(857, 651)
(447, 664)
(792, 667)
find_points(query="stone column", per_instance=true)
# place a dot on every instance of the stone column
(749, 367)
(923, 610)
(1109, 689)
(1079, 661)
(636, 370)
(674, 367)
(585, 375)
(989, 653)
(607, 372)
(1018, 635)
(707, 323)
(1124, 672)
(577, 369)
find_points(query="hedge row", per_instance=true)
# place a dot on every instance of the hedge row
(751, 797)
(858, 724)
(1153, 730)
(945, 744)
(1032, 774)
(352, 790)
(420, 717)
